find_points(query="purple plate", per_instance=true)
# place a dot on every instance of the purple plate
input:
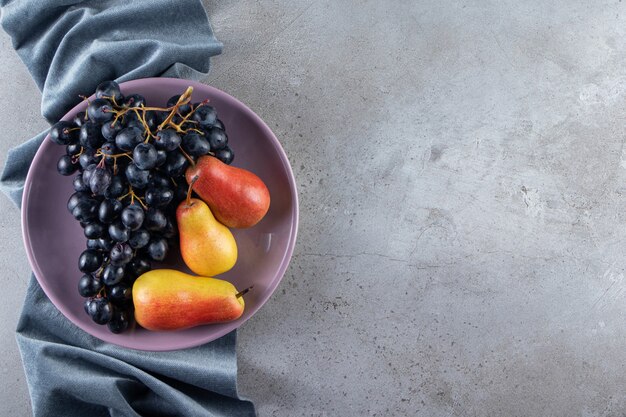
(54, 240)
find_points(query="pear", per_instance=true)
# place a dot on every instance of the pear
(166, 299)
(207, 246)
(237, 197)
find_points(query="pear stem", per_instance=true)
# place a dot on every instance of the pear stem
(193, 181)
(243, 292)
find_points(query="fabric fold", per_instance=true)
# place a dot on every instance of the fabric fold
(69, 47)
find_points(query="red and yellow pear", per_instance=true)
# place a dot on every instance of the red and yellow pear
(237, 197)
(166, 299)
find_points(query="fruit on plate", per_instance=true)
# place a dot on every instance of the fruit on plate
(166, 299)
(207, 246)
(128, 161)
(237, 197)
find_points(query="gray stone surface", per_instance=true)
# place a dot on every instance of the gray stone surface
(462, 179)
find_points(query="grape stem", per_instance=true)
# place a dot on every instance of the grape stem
(142, 119)
(114, 156)
(125, 195)
(182, 100)
(147, 108)
(186, 118)
(87, 100)
(133, 196)
(117, 155)
(189, 158)
(180, 130)
(98, 273)
(117, 116)
(102, 290)
(112, 98)
(75, 157)
(142, 203)
(132, 200)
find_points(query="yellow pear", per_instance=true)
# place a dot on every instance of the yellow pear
(207, 246)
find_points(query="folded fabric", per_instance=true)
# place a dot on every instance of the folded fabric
(69, 47)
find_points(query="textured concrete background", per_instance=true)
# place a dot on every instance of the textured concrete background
(462, 178)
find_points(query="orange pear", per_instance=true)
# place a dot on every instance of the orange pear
(166, 299)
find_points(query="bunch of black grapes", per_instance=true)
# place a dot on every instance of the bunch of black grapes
(130, 161)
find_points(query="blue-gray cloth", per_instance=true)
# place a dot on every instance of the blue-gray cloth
(69, 47)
